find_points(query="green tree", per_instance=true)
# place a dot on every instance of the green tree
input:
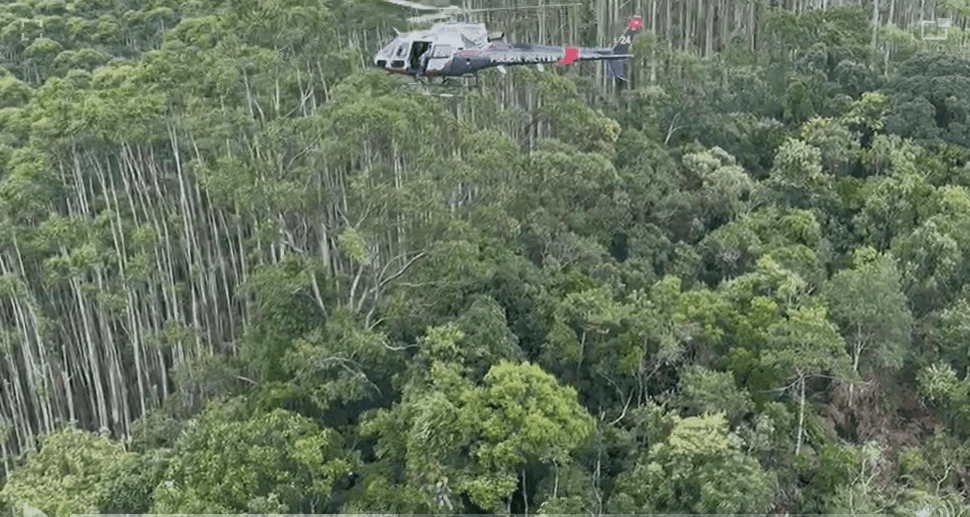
(338, 368)
(586, 334)
(868, 304)
(931, 469)
(932, 256)
(949, 338)
(931, 98)
(520, 416)
(699, 468)
(867, 116)
(940, 385)
(63, 476)
(724, 184)
(798, 179)
(482, 440)
(280, 317)
(896, 204)
(705, 392)
(233, 462)
(839, 147)
(803, 345)
(127, 485)
(861, 495)
(570, 489)
(378, 492)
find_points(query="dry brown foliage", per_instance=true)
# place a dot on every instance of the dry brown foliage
(861, 412)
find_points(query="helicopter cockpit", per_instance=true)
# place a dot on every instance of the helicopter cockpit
(395, 52)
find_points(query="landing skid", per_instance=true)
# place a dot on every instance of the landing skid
(441, 86)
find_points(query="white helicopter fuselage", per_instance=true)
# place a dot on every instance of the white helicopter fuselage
(443, 41)
(459, 49)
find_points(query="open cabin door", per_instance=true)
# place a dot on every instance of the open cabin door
(417, 49)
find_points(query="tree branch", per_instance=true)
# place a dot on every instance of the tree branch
(402, 270)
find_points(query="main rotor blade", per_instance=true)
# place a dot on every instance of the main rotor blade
(451, 11)
(522, 7)
(433, 17)
(412, 5)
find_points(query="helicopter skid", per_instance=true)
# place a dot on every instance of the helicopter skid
(436, 86)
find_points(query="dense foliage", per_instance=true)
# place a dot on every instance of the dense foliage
(240, 272)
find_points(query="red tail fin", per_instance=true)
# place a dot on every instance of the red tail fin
(636, 23)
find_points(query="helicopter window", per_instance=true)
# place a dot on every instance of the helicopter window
(402, 49)
(389, 49)
(442, 51)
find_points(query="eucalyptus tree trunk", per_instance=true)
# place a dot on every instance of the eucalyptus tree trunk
(801, 412)
(875, 23)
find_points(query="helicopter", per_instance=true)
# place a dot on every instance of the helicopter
(459, 50)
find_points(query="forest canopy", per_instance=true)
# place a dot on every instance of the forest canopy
(242, 272)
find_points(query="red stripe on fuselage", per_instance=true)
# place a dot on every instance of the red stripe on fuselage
(569, 55)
